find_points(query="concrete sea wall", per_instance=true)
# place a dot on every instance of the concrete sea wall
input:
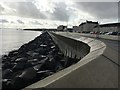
(98, 67)
(70, 47)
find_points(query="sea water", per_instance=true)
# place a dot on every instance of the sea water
(11, 39)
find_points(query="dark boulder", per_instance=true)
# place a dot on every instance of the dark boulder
(23, 48)
(58, 67)
(33, 62)
(37, 67)
(33, 54)
(20, 60)
(17, 83)
(6, 74)
(6, 65)
(28, 74)
(24, 79)
(41, 57)
(52, 47)
(28, 64)
(41, 51)
(69, 61)
(4, 57)
(43, 74)
(13, 53)
(43, 60)
(50, 65)
(19, 66)
(53, 52)
(5, 85)
(58, 57)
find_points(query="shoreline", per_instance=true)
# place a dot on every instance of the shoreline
(13, 39)
(33, 61)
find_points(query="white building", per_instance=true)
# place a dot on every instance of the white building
(62, 28)
(87, 26)
(75, 28)
(110, 27)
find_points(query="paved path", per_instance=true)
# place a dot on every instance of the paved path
(112, 52)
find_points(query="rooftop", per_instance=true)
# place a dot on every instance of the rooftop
(90, 22)
(109, 25)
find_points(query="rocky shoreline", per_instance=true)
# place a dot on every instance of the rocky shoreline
(32, 62)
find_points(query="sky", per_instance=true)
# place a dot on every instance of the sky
(52, 13)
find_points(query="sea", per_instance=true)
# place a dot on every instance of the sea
(11, 39)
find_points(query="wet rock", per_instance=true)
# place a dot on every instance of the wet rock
(23, 48)
(43, 74)
(41, 51)
(28, 74)
(4, 57)
(20, 60)
(5, 84)
(58, 67)
(13, 53)
(43, 45)
(6, 65)
(64, 61)
(15, 74)
(41, 57)
(24, 79)
(52, 47)
(49, 65)
(45, 59)
(19, 66)
(17, 83)
(13, 58)
(6, 74)
(28, 64)
(58, 57)
(53, 52)
(33, 62)
(9, 85)
(32, 53)
(69, 61)
(38, 67)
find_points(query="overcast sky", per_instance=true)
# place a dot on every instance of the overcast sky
(51, 13)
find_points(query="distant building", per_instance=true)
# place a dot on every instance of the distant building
(70, 29)
(110, 27)
(87, 26)
(75, 28)
(62, 28)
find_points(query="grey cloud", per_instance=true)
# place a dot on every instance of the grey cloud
(60, 12)
(12, 22)
(1, 9)
(36, 23)
(29, 10)
(3, 21)
(19, 21)
(26, 9)
(101, 10)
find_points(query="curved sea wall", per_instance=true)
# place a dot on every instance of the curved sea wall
(96, 69)
(71, 47)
